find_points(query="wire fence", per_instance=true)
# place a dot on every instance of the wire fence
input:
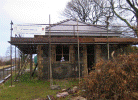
(5, 72)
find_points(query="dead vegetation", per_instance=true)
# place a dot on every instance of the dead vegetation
(114, 80)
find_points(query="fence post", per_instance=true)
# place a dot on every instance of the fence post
(3, 71)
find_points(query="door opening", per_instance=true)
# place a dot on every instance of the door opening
(90, 57)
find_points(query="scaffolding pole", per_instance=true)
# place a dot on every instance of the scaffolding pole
(19, 59)
(51, 80)
(78, 50)
(11, 51)
(107, 37)
(15, 60)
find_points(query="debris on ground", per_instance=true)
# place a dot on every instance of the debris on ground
(78, 98)
(62, 95)
(71, 92)
(75, 89)
(55, 87)
(50, 97)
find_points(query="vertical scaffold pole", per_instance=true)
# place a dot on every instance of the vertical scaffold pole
(11, 51)
(15, 60)
(108, 44)
(107, 36)
(51, 80)
(78, 50)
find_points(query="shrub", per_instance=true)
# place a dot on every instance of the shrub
(116, 79)
(1, 63)
(8, 62)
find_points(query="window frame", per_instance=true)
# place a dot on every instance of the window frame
(62, 53)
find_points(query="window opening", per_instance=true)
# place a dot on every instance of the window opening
(62, 53)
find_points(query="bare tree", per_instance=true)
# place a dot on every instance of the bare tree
(127, 11)
(1, 61)
(8, 53)
(91, 11)
(78, 9)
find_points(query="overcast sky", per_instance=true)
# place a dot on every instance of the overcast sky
(27, 11)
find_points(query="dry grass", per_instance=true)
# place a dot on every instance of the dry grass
(5, 66)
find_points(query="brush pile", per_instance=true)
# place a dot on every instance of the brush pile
(116, 79)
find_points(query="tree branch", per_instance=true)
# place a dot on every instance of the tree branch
(112, 5)
(132, 5)
(136, 2)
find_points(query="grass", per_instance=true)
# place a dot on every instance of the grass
(27, 89)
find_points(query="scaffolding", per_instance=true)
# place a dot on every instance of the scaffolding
(32, 49)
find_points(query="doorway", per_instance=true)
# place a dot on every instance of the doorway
(90, 57)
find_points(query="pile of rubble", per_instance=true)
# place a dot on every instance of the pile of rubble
(64, 93)
(69, 91)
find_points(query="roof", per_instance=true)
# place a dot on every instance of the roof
(28, 45)
(70, 40)
(71, 27)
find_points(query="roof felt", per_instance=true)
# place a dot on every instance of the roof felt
(71, 27)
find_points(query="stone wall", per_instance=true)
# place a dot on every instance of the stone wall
(70, 68)
(53, 54)
(40, 60)
(72, 54)
(84, 60)
(97, 53)
(46, 58)
(101, 52)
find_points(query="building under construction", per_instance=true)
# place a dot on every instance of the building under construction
(71, 48)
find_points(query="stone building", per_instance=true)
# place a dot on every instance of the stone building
(59, 48)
